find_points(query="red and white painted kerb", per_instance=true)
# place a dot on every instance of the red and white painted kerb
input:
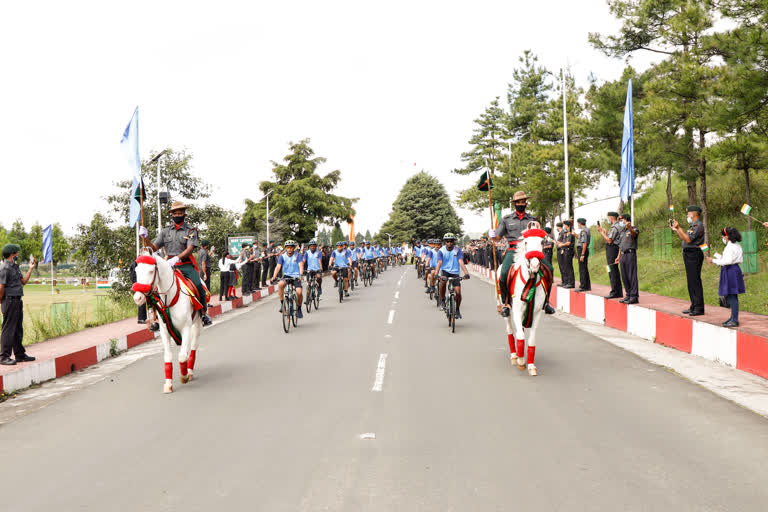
(727, 346)
(26, 374)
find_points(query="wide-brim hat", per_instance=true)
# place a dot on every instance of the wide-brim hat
(178, 205)
(519, 196)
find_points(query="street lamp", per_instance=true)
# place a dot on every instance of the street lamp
(266, 196)
(390, 239)
(159, 200)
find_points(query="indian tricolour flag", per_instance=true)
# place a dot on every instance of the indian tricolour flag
(672, 208)
(746, 209)
(704, 247)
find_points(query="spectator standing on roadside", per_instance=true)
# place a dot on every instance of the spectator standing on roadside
(245, 257)
(272, 259)
(142, 318)
(559, 235)
(204, 263)
(224, 263)
(628, 260)
(731, 278)
(693, 258)
(11, 291)
(565, 249)
(612, 239)
(547, 245)
(264, 261)
(256, 257)
(582, 252)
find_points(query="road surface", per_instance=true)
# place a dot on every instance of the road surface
(297, 422)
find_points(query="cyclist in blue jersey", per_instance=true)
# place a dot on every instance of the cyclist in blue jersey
(313, 264)
(292, 265)
(369, 255)
(415, 252)
(340, 260)
(355, 258)
(450, 261)
(431, 261)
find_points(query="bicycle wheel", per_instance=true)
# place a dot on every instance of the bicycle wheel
(431, 294)
(351, 281)
(448, 306)
(316, 298)
(453, 317)
(308, 300)
(294, 318)
(341, 289)
(286, 315)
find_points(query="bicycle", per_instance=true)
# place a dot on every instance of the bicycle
(366, 271)
(341, 274)
(450, 300)
(313, 292)
(289, 305)
(351, 279)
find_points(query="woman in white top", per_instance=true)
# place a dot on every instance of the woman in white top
(731, 278)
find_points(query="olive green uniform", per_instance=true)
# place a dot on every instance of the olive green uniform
(511, 227)
(175, 242)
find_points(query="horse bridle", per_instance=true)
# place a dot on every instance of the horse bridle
(144, 258)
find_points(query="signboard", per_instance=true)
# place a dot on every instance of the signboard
(234, 243)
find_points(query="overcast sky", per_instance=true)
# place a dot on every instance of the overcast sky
(378, 87)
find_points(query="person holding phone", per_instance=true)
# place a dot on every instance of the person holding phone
(11, 291)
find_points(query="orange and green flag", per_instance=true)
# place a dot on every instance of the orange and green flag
(486, 183)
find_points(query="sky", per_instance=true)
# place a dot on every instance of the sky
(383, 90)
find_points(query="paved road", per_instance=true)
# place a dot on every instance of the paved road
(273, 423)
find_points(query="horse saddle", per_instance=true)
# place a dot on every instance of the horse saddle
(190, 290)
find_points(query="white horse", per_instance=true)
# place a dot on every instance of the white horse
(528, 257)
(156, 282)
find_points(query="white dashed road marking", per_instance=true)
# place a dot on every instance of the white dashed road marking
(391, 316)
(380, 369)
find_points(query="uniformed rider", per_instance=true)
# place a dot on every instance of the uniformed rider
(511, 227)
(180, 240)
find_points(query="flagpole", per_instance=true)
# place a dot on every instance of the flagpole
(565, 148)
(493, 243)
(141, 202)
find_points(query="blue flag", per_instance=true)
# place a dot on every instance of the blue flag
(130, 146)
(48, 244)
(627, 181)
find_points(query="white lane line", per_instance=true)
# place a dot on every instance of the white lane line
(391, 316)
(397, 295)
(380, 369)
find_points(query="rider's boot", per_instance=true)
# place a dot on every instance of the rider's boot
(548, 309)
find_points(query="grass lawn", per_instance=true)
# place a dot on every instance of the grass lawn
(86, 309)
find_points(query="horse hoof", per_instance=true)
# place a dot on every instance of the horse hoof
(184, 379)
(168, 388)
(520, 364)
(190, 375)
(532, 371)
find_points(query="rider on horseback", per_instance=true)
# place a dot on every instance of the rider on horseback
(511, 227)
(180, 240)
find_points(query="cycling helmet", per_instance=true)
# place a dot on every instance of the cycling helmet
(289, 242)
(344, 242)
(339, 243)
(312, 242)
(449, 236)
(351, 242)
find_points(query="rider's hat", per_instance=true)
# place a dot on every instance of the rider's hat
(519, 196)
(177, 205)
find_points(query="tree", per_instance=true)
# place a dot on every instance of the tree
(18, 235)
(358, 237)
(368, 235)
(255, 221)
(302, 198)
(323, 237)
(684, 81)
(99, 248)
(218, 223)
(422, 210)
(337, 235)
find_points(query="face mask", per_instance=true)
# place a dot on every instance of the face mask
(520, 208)
(725, 240)
(178, 219)
(690, 220)
(16, 258)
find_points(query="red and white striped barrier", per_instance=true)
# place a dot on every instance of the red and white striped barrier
(734, 348)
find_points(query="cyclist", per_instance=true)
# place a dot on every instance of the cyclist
(369, 255)
(313, 261)
(340, 260)
(431, 261)
(378, 253)
(292, 265)
(354, 258)
(450, 260)
(415, 253)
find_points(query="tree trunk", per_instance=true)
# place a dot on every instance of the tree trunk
(703, 189)
(691, 192)
(749, 196)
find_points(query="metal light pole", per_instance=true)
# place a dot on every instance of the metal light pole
(266, 196)
(156, 159)
(390, 239)
(565, 147)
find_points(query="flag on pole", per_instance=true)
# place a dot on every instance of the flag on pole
(704, 247)
(486, 183)
(672, 208)
(48, 244)
(496, 214)
(746, 209)
(130, 147)
(627, 181)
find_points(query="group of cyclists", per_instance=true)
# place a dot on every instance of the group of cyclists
(441, 263)
(347, 263)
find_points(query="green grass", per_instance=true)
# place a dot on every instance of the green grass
(84, 313)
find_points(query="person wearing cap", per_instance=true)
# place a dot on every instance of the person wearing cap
(291, 264)
(628, 260)
(565, 249)
(264, 263)
(180, 240)
(204, 261)
(582, 252)
(256, 261)
(693, 258)
(511, 228)
(548, 244)
(612, 239)
(245, 258)
(559, 238)
(11, 291)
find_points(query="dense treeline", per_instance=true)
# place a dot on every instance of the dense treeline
(700, 111)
